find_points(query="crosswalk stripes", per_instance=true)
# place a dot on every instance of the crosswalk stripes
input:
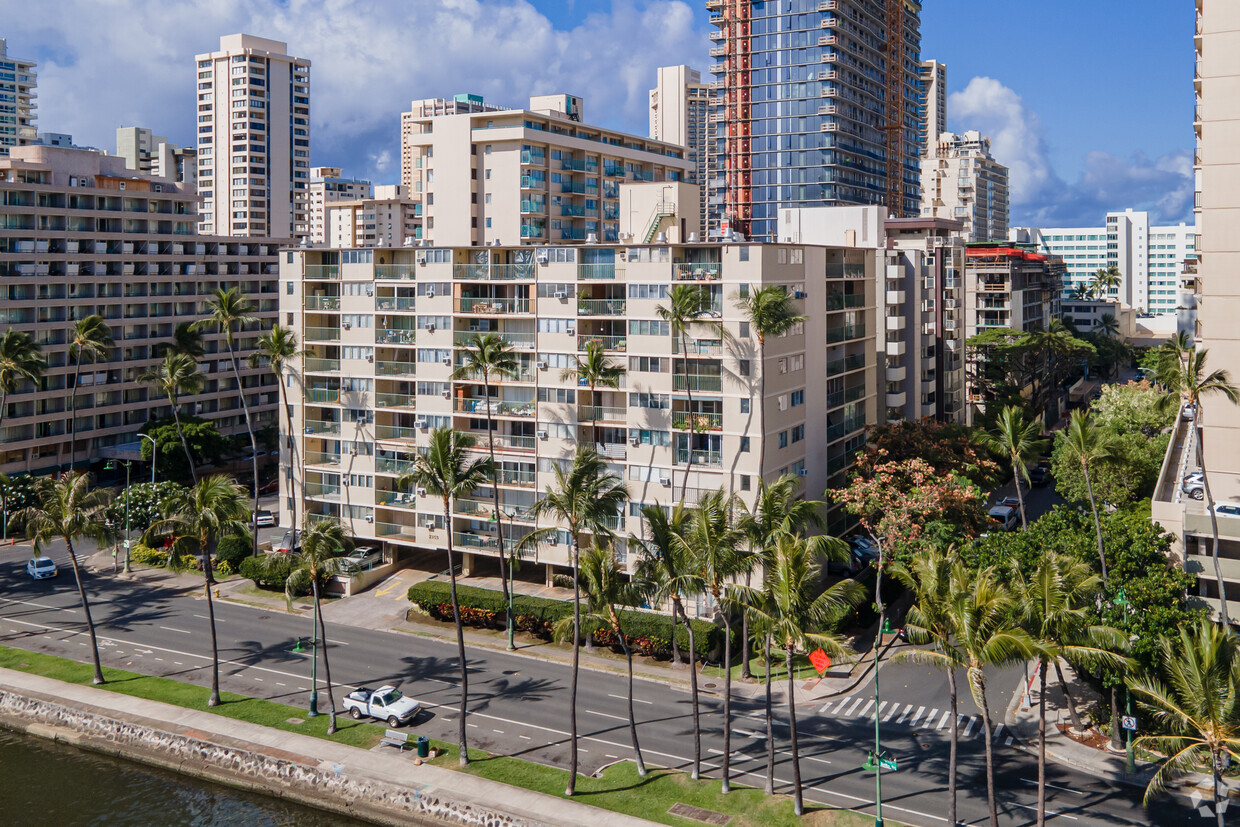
(920, 718)
(856, 703)
(928, 721)
(943, 721)
(878, 711)
(868, 704)
(920, 709)
(892, 713)
(907, 710)
(969, 728)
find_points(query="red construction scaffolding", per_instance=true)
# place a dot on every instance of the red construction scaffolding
(893, 126)
(738, 201)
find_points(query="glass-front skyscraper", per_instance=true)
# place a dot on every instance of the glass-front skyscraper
(802, 117)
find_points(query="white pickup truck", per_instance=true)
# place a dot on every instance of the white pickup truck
(385, 703)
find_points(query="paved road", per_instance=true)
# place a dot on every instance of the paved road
(518, 704)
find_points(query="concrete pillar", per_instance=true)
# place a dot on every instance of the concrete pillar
(467, 564)
(550, 575)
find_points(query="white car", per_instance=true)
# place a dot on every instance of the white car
(360, 558)
(385, 703)
(1004, 517)
(1188, 412)
(262, 518)
(41, 568)
(1227, 509)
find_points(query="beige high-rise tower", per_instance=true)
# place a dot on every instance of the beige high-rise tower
(933, 78)
(253, 139)
(17, 84)
(680, 114)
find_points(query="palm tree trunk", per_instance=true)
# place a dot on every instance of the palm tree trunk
(990, 758)
(1219, 805)
(4, 396)
(761, 409)
(798, 805)
(1209, 503)
(951, 753)
(1117, 741)
(746, 673)
(208, 579)
(572, 692)
(1093, 505)
(77, 373)
(1042, 666)
(727, 702)
(770, 725)
(327, 670)
(628, 657)
(593, 416)
(693, 694)
(1067, 698)
(460, 638)
(676, 612)
(292, 448)
(176, 416)
(249, 427)
(690, 420)
(1020, 498)
(499, 523)
(90, 624)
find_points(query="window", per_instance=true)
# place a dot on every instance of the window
(783, 439)
(289, 287)
(744, 256)
(563, 396)
(440, 322)
(656, 401)
(557, 255)
(648, 291)
(548, 290)
(649, 327)
(558, 361)
(798, 398)
(556, 325)
(356, 320)
(434, 354)
(796, 363)
(782, 401)
(356, 384)
(744, 445)
(798, 433)
(744, 330)
(742, 367)
(661, 439)
(357, 352)
(649, 364)
(782, 365)
(431, 388)
(745, 477)
(744, 406)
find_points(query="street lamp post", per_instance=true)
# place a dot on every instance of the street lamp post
(127, 463)
(512, 582)
(153, 444)
(878, 643)
(314, 662)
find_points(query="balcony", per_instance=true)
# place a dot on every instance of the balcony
(705, 459)
(896, 323)
(392, 465)
(395, 336)
(600, 307)
(837, 398)
(896, 400)
(322, 428)
(397, 304)
(698, 347)
(697, 271)
(602, 413)
(524, 341)
(322, 491)
(691, 382)
(492, 307)
(322, 334)
(516, 478)
(406, 532)
(493, 272)
(494, 408)
(846, 301)
(845, 332)
(396, 368)
(322, 302)
(697, 422)
(897, 374)
(596, 272)
(508, 442)
(322, 458)
(395, 432)
(398, 499)
(395, 400)
(317, 365)
(322, 271)
(848, 363)
(395, 272)
(843, 429)
(613, 343)
(323, 396)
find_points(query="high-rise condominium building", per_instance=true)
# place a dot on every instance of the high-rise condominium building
(384, 329)
(328, 186)
(680, 107)
(81, 234)
(18, 82)
(512, 176)
(933, 82)
(1149, 258)
(145, 151)
(388, 219)
(961, 180)
(253, 139)
(819, 105)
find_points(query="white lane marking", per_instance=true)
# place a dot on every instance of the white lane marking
(994, 739)
(856, 704)
(972, 723)
(1049, 814)
(475, 726)
(257, 679)
(626, 697)
(38, 605)
(891, 714)
(747, 734)
(1056, 786)
(524, 737)
(500, 731)
(217, 620)
(178, 663)
(866, 709)
(171, 629)
(879, 711)
(843, 703)
(825, 707)
(920, 710)
(929, 721)
(607, 715)
(281, 684)
(904, 714)
(943, 720)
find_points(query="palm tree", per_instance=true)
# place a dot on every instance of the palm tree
(586, 497)
(1189, 378)
(229, 311)
(594, 369)
(197, 519)
(660, 564)
(89, 338)
(1054, 605)
(177, 374)
(323, 541)
(445, 471)
(981, 615)
(606, 586)
(794, 609)
(1194, 695)
(688, 304)
(1105, 280)
(1107, 325)
(489, 357)
(1019, 440)
(771, 314)
(1089, 445)
(186, 339)
(21, 360)
(1079, 292)
(69, 509)
(278, 348)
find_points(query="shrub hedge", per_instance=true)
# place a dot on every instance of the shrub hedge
(233, 549)
(648, 633)
(271, 575)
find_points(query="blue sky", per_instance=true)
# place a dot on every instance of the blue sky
(1089, 102)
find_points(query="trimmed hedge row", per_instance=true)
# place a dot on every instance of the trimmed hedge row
(648, 633)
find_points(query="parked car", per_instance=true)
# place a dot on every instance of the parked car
(1194, 485)
(1188, 411)
(385, 703)
(1004, 517)
(263, 517)
(1040, 477)
(362, 557)
(1227, 509)
(861, 552)
(270, 487)
(290, 543)
(41, 568)
(1011, 502)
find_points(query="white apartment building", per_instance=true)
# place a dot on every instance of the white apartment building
(412, 122)
(328, 187)
(961, 180)
(933, 80)
(510, 176)
(388, 219)
(1150, 258)
(253, 139)
(18, 90)
(680, 107)
(383, 330)
(80, 234)
(145, 151)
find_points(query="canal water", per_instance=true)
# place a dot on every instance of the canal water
(45, 783)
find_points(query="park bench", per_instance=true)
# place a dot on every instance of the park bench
(396, 738)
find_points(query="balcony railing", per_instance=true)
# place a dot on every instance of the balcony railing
(616, 343)
(395, 530)
(322, 302)
(844, 301)
(317, 365)
(494, 272)
(494, 407)
(600, 307)
(397, 303)
(323, 396)
(846, 364)
(398, 499)
(391, 465)
(394, 400)
(493, 306)
(697, 271)
(690, 382)
(710, 459)
(395, 336)
(396, 272)
(834, 400)
(322, 491)
(697, 422)
(395, 368)
(525, 341)
(835, 432)
(596, 272)
(322, 334)
(395, 432)
(698, 347)
(845, 332)
(520, 479)
(602, 413)
(509, 442)
(322, 271)
(321, 427)
(322, 458)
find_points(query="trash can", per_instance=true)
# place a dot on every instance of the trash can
(424, 746)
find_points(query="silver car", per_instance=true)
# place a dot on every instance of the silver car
(41, 568)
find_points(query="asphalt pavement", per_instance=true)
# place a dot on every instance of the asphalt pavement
(518, 704)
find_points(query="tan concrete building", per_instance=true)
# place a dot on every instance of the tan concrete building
(384, 328)
(147, 152)
(933, 80)
(80, 234)
(389, 219)
(328, 187)
(18, 84)
(961, 180)
(512, 176)
(253, 139)
(680, 106)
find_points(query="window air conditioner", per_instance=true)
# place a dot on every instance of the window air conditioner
(347, 325)
(804, 472)
(421, 492)
(419, 423)
(572, 331)
(345, 483)
(447, 360)
(553, 540)
(370, 290)
(665, 480)
(429, 524)
(799, 294)
(447, 394)
(370, 518)
(561, 294)
(430, 292)
(541, 365)
(635, 440)
(430, 328)
(542, 434)
(370, 358)
(542, 257)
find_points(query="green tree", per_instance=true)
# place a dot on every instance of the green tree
(145, 503)
(69, 509)
(278, 348)
(1107, 325)
(177, 374)
(595, 370)
(771, 314)
(661, 566)
(585, 497)
(196, 521)
(1105, 282)
(1085, 443)
(1194, 696)
(186, 340)
(21, 360)
(688, 305)
(89, 338)
(206, 445)
(490, 358)
(1018, 440)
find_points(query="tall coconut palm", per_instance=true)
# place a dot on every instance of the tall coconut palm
(794, 609)
(1107, 325)
(446, 471)
(1105, 281)
(177, 374)
(68, 509)
(771, 314)
(228, 311)
(715, 548)
(1019, 441)
(21, 360)
(490, 358)
(1194, 697)
(585, 497)
(1189, 378)
(197, 519)
(278, 348)
(982, 618)
(89, 338)
(323, 542)
(688, 305)
(1054, 606)
(185, 339)
(1089, 445)
(661, 566)
(593, 369)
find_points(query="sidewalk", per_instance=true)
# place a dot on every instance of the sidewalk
(349, 764)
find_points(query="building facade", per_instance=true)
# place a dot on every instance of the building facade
(511, 176)
(147, 152)
(384, 329)
(413, 123)
(388, 219)
(680, 106)
(328, 186)
(1150, 259)
(253, 139)
(818, 105)
(82, 234)
(961, 181)
(933, 77)
(18, 90)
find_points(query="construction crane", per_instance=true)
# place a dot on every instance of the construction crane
(893, 121)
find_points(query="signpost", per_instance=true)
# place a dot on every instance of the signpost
(1128, 722)
(820, 660)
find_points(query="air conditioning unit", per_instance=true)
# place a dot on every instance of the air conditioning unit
(345, 483)
(370, 518)
(352, 452)
(447, 394)
(370, 290)
(420, 423)
(370, 358)
(635, 440)
(561, 294)
(422, 262)
(798, 294)
(429, 524)
(447, 360)
(541, 365)
(553, 540)
(542, 257)
(542, 434)
(804, 472)
(347, 325)
(430, 292)
(430, 328)
(473, 327)
(665, 480)
(572, 331)
(421, 492)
